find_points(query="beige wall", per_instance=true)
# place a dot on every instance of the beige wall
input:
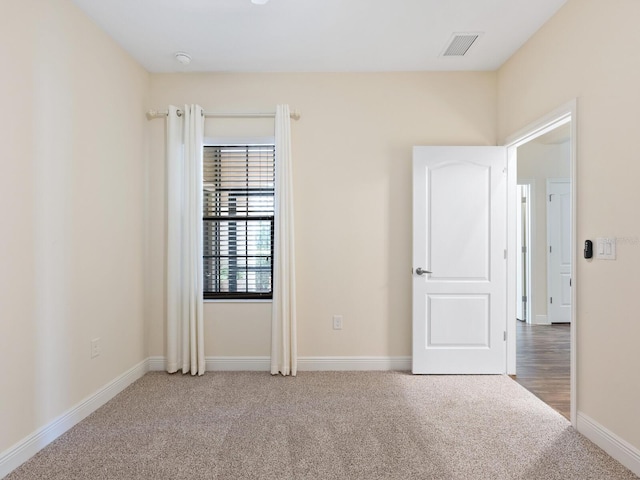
(352, 172)
(590, 50)
(73, 141)
(539, 162)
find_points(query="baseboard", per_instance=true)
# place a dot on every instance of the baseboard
(309, 364)
(156, 364)
(541, 320)
(314, 364)
(621, 450)
(22, 451)
(222, 364)
(238, 364)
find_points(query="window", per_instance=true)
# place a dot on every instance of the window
(238, 208)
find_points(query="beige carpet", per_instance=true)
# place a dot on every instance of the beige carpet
(323, 425)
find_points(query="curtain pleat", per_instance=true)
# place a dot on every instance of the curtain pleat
(185, 331)
(284, 355)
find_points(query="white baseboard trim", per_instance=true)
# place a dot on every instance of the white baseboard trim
(238, 364)
(541, 320)
(621, 450)
(308, 364)
(156, 364)
(15, 456)
(221, 364)
(315, 364)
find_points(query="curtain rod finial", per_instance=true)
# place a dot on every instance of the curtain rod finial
(295, 115)
(152, 113)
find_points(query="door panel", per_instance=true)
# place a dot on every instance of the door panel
(457, 321)
(459, 309)
(559, 251)
(459, 191)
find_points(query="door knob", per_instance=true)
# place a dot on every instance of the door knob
(420, 271)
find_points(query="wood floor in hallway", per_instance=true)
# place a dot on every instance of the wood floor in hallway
(543, 363)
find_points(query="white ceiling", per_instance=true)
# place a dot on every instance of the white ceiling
(318, 35)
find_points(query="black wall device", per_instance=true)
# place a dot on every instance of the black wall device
(588, 249)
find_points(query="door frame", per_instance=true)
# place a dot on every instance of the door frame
(560, 116)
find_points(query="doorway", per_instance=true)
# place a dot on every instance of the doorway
(542, 156)
(544, 228)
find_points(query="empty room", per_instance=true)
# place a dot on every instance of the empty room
(233, 246)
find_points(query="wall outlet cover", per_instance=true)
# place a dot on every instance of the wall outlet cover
(605, 248)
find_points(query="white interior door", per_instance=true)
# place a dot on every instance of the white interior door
(559, 250)
(459, 239)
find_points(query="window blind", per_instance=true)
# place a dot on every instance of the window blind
(238, 212)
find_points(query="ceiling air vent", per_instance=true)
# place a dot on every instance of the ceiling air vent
(460, 44)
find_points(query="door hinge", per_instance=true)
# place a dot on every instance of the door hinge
(524, 298)
(504, 336)
(550, 249)
(569, 282)
(550, 299)
(523, 199)
(524, 249)
(549, 197)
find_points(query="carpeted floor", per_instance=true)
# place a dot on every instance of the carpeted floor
(323, 425)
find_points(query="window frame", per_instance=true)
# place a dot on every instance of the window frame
(248, 297)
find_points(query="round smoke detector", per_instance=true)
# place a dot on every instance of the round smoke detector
(183, 58)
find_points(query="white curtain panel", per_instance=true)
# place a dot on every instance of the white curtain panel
(284, 354)
(185, 342)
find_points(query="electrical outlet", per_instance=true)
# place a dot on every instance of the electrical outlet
(337, 322)
(95, 347)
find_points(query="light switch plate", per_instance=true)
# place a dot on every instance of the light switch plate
(605, 248)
